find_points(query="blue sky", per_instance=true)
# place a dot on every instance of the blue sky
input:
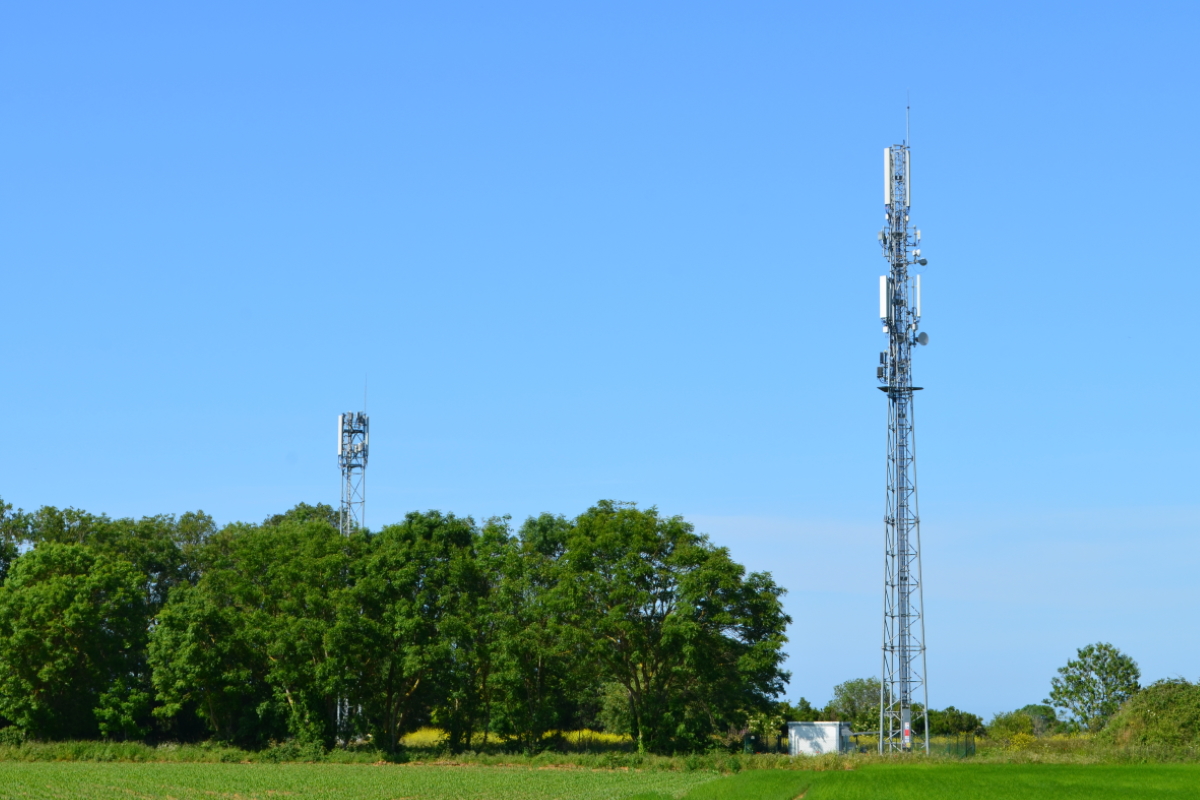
(627, 250)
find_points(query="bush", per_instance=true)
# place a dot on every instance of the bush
(1164, 713)
(1035, 720)
(1009, 724)
(951, 721)
(292, 750)
(1022, 741)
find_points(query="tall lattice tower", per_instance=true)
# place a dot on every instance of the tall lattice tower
(903, 677)
(354, 439)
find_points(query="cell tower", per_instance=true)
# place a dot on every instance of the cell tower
(354, 439)
(903, 677)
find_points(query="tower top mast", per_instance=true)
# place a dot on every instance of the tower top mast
(354, 444)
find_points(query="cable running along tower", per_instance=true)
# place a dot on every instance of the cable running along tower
(354, 438)
(903, 678)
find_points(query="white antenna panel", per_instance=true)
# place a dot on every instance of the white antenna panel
(887, 176)
(907, 178)
(883, 291)
(341, 421)
(918, 297)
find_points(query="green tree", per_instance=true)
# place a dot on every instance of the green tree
(12, 531)
(1043, 719)
(694, 641)
(289, 582)
(398, 653)
(1033, 719)
(856, 701)
(204, 661)
(265, 620)
(72, 643)
(615, 716)
(1006, 724)
(1094, 685)
(801, 711)
(950, 721)
(158, 547)
(474, 626)
(303, 512)
(539, 664)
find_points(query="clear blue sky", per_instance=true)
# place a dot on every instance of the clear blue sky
(627, 250)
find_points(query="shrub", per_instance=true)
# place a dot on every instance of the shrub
(951, 721)
(1009, 724)
(1036, 720)
(1022, 741)
(1164, 713)
(12, 736)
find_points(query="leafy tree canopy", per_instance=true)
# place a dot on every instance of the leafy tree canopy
(950, 721)
(72, 642)
(856, 701)
(161, 549)
(1092, 686)
(290, 630)
(303, 512)
(255, 645)
(800, 711)
(692, 639)
(11, 526)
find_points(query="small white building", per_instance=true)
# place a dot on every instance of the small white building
(814, 738)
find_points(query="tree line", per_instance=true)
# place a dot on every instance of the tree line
(171, 627)
(857, 701)
(1088, 691)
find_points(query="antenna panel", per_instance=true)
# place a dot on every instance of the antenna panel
(341, 425)
(887, 176)
(918, 297)
(907, 178)
(883, 282)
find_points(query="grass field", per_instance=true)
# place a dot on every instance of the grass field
(394, 782)
(331, 782)
(1003, 781)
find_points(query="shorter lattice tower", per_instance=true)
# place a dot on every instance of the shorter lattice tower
(354, 440)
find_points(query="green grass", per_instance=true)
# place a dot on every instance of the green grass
(212, 752)
(330, 782)
(958, 782)
(758, 785)
(1003, 781)
(871, 781)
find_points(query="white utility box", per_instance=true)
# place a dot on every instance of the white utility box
(814, 738)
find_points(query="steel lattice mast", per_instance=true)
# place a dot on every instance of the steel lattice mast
(903, 677)
(354, 438)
